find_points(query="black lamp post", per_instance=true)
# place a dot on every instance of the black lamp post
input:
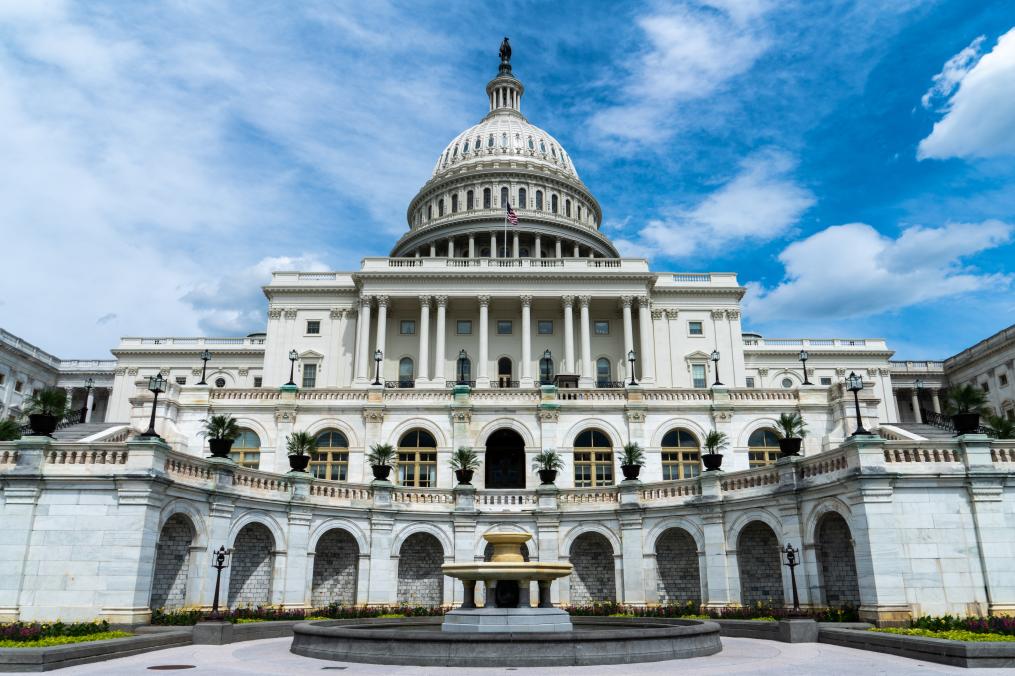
(218, 563)
(463, 359)
(378, 358)
(546, 367)
(854, 384)
(715, 360)
(293, 356)
(803, 358)
(632, 357)
(89, 385)
(156, 385)
(792, 563)
(205, 356)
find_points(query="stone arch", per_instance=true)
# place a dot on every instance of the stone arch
(506, 423)
(422, 423)
(752, 427)
(228, 377)
(656, 440)
(186, 509)
(267, 440)
(810, 523)
(336, 562)
(616, 438)
(172, 562)
(578, 531)
(836, 561)
(333, 423)
(653, 534)
(354, 530)
(251, 566)
(594, 577)
(277, 534)
(679, 576)
(480, 545)
(760, 563)
(744, 519)
(420, 580)
(776, 379)
(422, 527)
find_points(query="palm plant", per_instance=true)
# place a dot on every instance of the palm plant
(300, 444)
(381, 455)
(791, 426)
(464, 459)
(47, 401)
(10, 430)
(221, 427)
(716, 442)
(548, 461)
(632, 455)
(962, 399)
(1001, 427)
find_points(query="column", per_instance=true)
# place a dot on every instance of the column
(560, 253)
(493, 245)
(526, 375)
(646, 358)
(483, 375)
(439, 360)
(451, 247)
(472, 245)
(363, 339)
(577, 250)
(433, 249)
(625, 304)
(586, 337)
(516, 246)
(90, 402)
(382, 331)
(539, 249)
(935, 401)
(568, 302)
(914, 399)
(423, 371)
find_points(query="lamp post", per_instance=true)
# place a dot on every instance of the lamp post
(89, 385)
(156, 385)
(632, 357)
(463, 359)
(218, 563)
(293, 356)
(378, 358)
(715, 359)
(205, 356)
(854, 384)
(546, 367)
(792, 563)
(803, 358)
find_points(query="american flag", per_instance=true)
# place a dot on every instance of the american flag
(511, 215)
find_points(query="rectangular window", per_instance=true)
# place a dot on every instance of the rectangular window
(503, 327)
(544, 327)
(309, 375)
(601, 327)
(407, 327)
(681, 465)
(463, 327)
(760, 458)
(249, 458)
(750, 381)
(1002, 379)
(313, 327)
(257, 381)
(593, 468)
(18, 385)
(181, 380)
(418, 469)
(695, 329)
(330, 464)
(3, 378)
(698, 375)
(986, 386)
(825, 380)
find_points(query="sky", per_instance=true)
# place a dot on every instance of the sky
(853, 162)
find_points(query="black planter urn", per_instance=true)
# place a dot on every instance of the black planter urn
(381, 472)
(220, 447)
(298, 463)
(790, 446)
(630, 471)
(546, 476)
(42, 424)
(712, 461)
(964, 423)
(464, 476)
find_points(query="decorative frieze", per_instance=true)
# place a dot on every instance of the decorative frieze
(672, 314)
(290, 313)
(484, 301)
(274, 313)
(732, 315)
(657, 314)
(643, 302)
(718, 314)
(373, 415)
(337, 313)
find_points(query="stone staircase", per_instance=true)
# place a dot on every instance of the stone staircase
(924, 430)
(82, 430)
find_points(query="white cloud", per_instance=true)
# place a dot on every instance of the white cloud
(760, 203)
(979, 119)
(853, 271)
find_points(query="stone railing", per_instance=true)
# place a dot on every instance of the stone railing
(905, 452)
(191, 343)
(678, 395)
(606, 495)
(591, 395)
(430, 396)
(8, 456)
(798, 343)
(668, 491)
(1002, 451)
(236, 394)
(750, 478)
(823, 464)
(423, 496)
(442, 264)
(93, 454)
(335, 491)
(499, 499)
(331, 395)
(504, 395)
(256, 480)
(181, 466)
(763, 395)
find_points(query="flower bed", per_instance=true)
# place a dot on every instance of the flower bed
(189, 616)
(693, 611)
(1004, 626)
(950, 634)
(40, 635)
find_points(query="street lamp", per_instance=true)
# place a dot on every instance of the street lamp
(803, 358)
(156, 385)
(218, 563)
(293, 356)
(205, 356)
(854, 384)
(632, 357)
(378, 358)
(715, 358)
(463, 362)
(546, 368)
(791, 563)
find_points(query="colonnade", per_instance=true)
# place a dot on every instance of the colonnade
(499, 243)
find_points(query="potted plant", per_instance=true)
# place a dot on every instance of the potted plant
(380, 458)
(1000, 427)
(715, 442)
(791, 431)
(221, 431)
(300, 445)
(631, 460)
(45, 409)
(965, 403)
(547, 464)
(10, 430)
(465, 462)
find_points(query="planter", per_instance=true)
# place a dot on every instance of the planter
(381, 472)
(464, 476)
(964, 423)
(546, 476)
(712, 461)
(790, 446)
(220, 447)
(42, 424)
(630, 471)
(298, 463)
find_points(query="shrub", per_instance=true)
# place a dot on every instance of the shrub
(21, 632)
(692, 611)
(189, 616)
(981, 625)
(950, 634)
(63, 640)
(10, 430)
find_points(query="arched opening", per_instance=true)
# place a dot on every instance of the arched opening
(681, 455)
(504, 198)
(762, 447)
(604, 375)
(523, 199)
(331, 456)
(593, 578)
(250, 567)
(420, 580)
(487, 198)
(454, 203)
(406, 372)
(553, 203)
(836, 562)
(760, 565)
(677, 563)
(539, 200)
(567, 208)
(246, 449)
(336, 560)
(505, 460)
(172, 563)
(463, 369)
(440, 207)
(470, 200)
(504, 372)
(417, 459)
(593, 459)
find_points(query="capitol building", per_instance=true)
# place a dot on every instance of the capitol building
(506, 322)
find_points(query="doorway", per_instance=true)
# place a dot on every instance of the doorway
(505, 460)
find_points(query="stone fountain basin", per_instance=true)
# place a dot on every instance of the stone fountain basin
(491, 571)
(420, 642)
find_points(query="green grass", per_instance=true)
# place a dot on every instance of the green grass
(62, 640)
(621, 615)
(950, 634)
(390, 616)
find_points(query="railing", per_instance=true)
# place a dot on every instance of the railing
(944, 422)
(493, 265)
(762, 395)
(823, 464)
(71, 418)
(399, 384)
(259, 481)
(330, 395)
(8, 456)
(692, 277)
(677, 395)
(750, 478)
(916, 366)
(27, 348)
(90, 455)
(499, 498)
(1002, 451)
(611, 384)
(798, 343)
(338, 491)
(243, 394)
(684, 488)
(505, 384)
(469, 383)
(592, 395)
(423, 496)
(585, 496)
(172, 341)
(903, 452)
(1000, 338)
(188, 467)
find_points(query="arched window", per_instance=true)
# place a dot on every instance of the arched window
(523, 199)
(440, 207)
(454, 153)
(542, 147)
(503, 140)
(487, 198)
(762, 447)
(465, 148)
(532, 146)
(603, 374)
(539, 200)
(429, 212)
(553, 203)
(593, 459)
(579, 212)
(489, 141)
(504, 372)
(331, 458)
(470, 201)
(454, 203)
(553, 150)
(681, 455)
(463, 370)
(246, 450)
(504, 197)
(417, 459)
(567, 208)
(405, 372)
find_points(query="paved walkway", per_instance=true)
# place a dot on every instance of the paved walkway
(739, 656)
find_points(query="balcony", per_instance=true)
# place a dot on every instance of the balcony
(795, 344)
(173, 342)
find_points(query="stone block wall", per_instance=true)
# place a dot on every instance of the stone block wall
(420, 580)
(760, 565)
(677, 562)
(336, 560)
(594, 577)
(172, 564)
(251, 567)
(837, 562)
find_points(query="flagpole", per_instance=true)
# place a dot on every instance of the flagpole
(506, 206)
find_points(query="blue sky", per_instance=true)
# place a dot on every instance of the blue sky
(852, 161)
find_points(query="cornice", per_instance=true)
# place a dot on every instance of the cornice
(749, 350)
(185, 352)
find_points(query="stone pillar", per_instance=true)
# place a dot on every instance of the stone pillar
(483, 373)
(472, 245)
(935, 400)
(632, 571)
(423, 371)
(539, 250)
(433, 249)
(451, 247)
(382, 331)
(299, 567)
(714, 560)
(493, 245)
(625, 305)
(526, 371)
(559, 250)
(383, 588)
(516, 246)
(23, 485)
(89, 403)
(646, 358)
(363, 341)
(439, 360)
(586, 343)
(577, 250)
(568, 301)
(914, 399)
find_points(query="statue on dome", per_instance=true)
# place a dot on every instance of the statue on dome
(505, 52)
